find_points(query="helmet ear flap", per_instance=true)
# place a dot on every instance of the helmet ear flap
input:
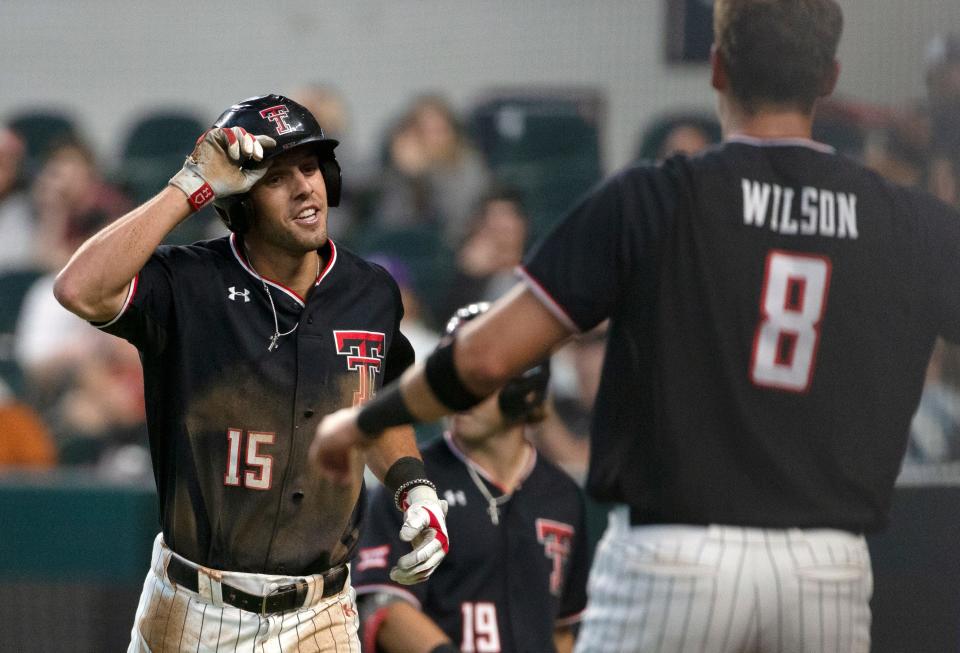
(236, 212)
(330, 170)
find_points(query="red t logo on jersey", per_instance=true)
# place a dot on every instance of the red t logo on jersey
(555, 537)
(364, 352)
(277, 115)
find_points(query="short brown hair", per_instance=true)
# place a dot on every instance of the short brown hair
(777, 51)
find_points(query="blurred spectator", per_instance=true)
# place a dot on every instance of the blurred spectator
(100, 418)
(894, 153)
(413, 325)
(330, 108)
(487, 259)
(84, 383)
(17, 226)
(404, 196)
(564, 437)
(684, 138)
(24, 440)
(677, 134)
(72, 201)
(433, 174)
(943, 95)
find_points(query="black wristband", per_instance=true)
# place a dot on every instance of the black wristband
(446, 647)
(403, 471)
(387, 409)
(444, 381)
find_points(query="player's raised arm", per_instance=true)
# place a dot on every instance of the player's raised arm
(95, 281)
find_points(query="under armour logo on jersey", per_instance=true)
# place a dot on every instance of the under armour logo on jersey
(455, 498)
(234, 293)
(278, 116)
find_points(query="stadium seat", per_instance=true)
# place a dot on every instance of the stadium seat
(154, 150)
(40, 129)
(545, 143)
(422, 249)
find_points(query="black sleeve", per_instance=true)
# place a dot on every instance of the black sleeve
(399, 358)
(574, 599)
(146, 313)
(580, 269)
(401, 354)
(940, 233)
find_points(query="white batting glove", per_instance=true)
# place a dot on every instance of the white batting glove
(424, 526)
(214, 169)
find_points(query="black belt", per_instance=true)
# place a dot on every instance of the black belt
(285, 597)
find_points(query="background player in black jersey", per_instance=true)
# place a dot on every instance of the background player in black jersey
(772, 307)
(516, 580)
(245, 342)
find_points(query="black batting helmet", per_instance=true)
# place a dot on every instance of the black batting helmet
(291, 125)
(521, 396)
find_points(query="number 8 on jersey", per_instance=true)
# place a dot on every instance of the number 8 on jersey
(792, 303)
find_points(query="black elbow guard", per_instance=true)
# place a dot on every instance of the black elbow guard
(444, 381)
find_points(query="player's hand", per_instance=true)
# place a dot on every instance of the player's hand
(214, 168)
(425, 527)
(331, 452)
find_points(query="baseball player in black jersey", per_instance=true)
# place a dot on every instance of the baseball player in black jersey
(773, 307)
(246, 341)
(516, 582)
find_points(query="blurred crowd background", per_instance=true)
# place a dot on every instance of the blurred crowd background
(466, 131)
(448, 200)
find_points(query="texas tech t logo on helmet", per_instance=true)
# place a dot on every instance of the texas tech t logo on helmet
(278, 116)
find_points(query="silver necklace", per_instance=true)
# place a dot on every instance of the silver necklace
(273, 309)
(493, 503)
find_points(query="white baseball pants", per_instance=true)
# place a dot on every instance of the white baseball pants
(725, 589)
(171, 618)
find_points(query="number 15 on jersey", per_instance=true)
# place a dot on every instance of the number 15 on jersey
(792, 303)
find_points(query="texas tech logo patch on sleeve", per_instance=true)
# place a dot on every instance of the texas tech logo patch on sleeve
(364, 352)
(556, 538)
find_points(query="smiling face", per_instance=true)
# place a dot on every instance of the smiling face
(290, 203)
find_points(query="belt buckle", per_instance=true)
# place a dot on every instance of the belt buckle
(280, 589)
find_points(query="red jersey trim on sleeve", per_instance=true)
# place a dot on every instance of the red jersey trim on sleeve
(131, 292)
(388, 589)
(569, 620)
(547, 299)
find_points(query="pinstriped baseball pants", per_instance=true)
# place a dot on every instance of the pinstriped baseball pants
(724, 589)
(171, 619)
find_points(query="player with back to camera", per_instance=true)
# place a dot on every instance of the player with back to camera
(246, 341)
(773, 306)
(516, 580)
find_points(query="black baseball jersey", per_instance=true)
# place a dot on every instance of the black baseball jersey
(502, 587)
(230, 421)
(773, 307)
